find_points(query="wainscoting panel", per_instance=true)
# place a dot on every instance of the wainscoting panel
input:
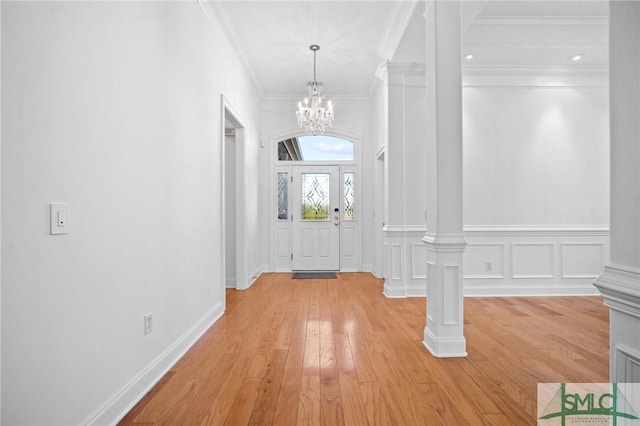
(451, 277)
(532, 260)
(431, 267)
(628, 362)
(582, 260)
(396, 261)
(484, 260)
(419, 261)
(406, 262)
(505, 261)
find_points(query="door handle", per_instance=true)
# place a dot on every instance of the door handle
(336, 216)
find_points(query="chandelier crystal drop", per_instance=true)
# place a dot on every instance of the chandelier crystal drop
(312, 115)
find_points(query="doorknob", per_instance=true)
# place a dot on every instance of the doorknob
(336, 216)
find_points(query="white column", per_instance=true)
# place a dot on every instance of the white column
(394, 171)
(620, 281)
(405, 155)
(445, 241)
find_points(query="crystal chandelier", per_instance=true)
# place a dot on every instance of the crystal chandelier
(312, 115)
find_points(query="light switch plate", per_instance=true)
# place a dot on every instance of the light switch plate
(59, 216)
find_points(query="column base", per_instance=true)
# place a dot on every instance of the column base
(620, 288)
(445, 347)
(393, 292)
(403, 276)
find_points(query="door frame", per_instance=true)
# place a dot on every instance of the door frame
(229, 114)
(280, 230)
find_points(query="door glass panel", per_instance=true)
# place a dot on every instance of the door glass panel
(315, 196)
(283, 196)
(349, 196)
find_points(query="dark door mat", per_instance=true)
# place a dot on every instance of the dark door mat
(308, 275)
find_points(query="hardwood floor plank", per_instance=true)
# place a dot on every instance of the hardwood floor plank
(131, 416)
(444, 411)
(267, 398)
(243, 404)
(330, 397)
(375, 406)
(354, 409)
(496, 420)
(181, 403)
(309, 402)
(313, 352)
(286, 411)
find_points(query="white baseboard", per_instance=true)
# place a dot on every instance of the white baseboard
(417, 290)
(529, 291)
(130, 394)
(503, 291)
(255, 275)
(393, 292)
(372, 270)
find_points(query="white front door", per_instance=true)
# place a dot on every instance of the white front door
(316, 218)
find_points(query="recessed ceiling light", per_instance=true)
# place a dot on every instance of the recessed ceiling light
(468, 56)
(578, 57)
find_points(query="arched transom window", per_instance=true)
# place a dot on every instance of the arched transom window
(315, 148)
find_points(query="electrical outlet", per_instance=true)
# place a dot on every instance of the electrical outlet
(148, 323)
(488, 265)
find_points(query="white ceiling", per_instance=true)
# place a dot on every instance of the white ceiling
(355, 37)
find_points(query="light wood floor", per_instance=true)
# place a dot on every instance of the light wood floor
(338, 352)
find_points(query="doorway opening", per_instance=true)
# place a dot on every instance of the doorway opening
(233, 241)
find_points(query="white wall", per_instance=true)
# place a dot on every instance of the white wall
(536, 156)
(535, 191)
(115, 109)
(535, 188)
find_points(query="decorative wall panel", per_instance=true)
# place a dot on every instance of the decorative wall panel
(532, 260)
(582, 260)
(419, 261)
(396, 262)
(451, 277)
(484, 260)
(628, 361)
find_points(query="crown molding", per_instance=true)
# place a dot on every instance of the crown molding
(535, 70)
(212, 8)
(558, 23)
(395, 27)
(535, 75)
